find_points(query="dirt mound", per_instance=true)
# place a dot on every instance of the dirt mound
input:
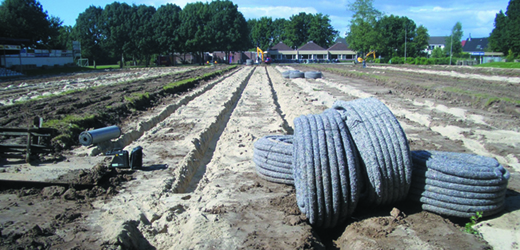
(38, 218)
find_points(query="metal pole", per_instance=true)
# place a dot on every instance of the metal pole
(451, 45)
(405, 43)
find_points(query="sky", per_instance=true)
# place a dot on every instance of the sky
(439, 16)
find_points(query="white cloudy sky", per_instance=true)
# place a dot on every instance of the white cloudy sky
(477, 16)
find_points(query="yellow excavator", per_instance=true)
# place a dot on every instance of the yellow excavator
(262, 53)
(373, 53)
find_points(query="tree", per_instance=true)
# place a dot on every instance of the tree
(262, 31)
(302, 28)
(455, 38)
(116, 28)
(194, 17)
(227, 27)
(363, 34)
(438, 53)
(278, 30)
(498, 39)
(513, 26)
(89, 32)
(26, 19)
(296, 30)
(142, 33)
(421, 40)
(321, 31)
(391, 36)
(166, 22)
(63, 40)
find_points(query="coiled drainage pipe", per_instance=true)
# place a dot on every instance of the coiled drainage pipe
(357, 152)
(272, 156)
(458, 184)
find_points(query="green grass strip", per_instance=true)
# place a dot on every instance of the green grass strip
(502, 65)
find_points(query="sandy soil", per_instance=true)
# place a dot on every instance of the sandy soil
(198, 188)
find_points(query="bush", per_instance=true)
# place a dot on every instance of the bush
(396, 60)
(410, 60)
(510, 57)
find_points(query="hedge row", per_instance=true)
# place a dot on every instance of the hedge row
(421, 61)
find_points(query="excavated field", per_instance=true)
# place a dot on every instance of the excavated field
(198, 188)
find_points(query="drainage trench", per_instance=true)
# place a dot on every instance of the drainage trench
(194, 164)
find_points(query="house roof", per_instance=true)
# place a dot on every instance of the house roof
(437, 40)
(280, 46)
(311, 46)
(475, 44)
(339, 46)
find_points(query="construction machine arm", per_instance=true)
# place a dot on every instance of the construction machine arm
(260, 52)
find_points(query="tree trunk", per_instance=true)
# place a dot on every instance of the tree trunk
(122, 60)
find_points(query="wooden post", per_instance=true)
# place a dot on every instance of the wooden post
(29, 140)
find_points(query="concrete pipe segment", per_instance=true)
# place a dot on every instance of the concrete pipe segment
(87, 138)
(458, 184)
(272, 156)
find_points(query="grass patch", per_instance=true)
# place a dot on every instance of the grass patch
(136, 99)
(69, 126)
(114, 66)
(67, 121)
(473, 221)
(503, 65)
(173, 85)
(481, 96)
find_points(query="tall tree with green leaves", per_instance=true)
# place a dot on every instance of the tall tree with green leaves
(117, 24)
(89, 32)
(391, 35)
(279, 30)
(192, 30)
(399, 33)
(166, 22)
(262, 31)
(296, 30)
(363, 33)
(63, 40)
(142, 33)
(498, 39)
(455, 39)
(513, 26)
(321, 31)
(303, 28)
(227, 27)
(26, 19)
(421, 40)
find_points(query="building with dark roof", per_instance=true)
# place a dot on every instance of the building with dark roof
(312, 51)
(477, 48)
(341, 51)
(282, 52)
